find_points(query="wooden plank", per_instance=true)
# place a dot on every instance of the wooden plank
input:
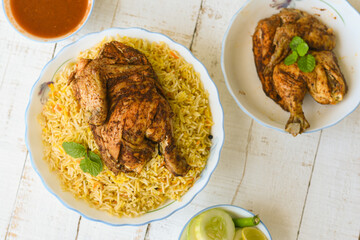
(21, 61)
(355, 4)
(93, 230)
(38, 214)
(277, 174)
(332, 209)
(175, 19)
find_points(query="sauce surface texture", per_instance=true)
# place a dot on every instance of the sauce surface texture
(48, 18)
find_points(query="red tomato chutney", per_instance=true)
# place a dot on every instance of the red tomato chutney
(48, 18)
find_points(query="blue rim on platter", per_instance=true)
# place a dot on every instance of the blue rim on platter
(50, 41)
(221, 134)
(233, 94)
(219, 206)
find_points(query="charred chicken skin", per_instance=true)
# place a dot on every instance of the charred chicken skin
(287, 85)
(290, 85)
(128, 114)
(327, 84)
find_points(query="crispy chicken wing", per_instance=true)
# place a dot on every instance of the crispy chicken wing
(263, 49)
(90, 91)
(290, 84)
(138, 114)
(327, 85)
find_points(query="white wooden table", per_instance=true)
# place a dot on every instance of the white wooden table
(306, 187)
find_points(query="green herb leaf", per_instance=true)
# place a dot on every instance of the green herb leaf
(291, 59)
(295, 42)
(96, 158)
(307, 63)
(302, 49)
(91, 164)
(74, 149)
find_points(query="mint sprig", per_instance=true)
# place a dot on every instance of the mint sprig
(91, 163)
(306, 62)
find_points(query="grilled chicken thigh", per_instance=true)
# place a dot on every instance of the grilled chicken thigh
(325, 84)
(290, 84)
(138, 114)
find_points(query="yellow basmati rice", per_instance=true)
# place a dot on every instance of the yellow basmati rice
(130, 194)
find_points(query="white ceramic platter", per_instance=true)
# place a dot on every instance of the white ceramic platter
(50, 180)
(240, 73)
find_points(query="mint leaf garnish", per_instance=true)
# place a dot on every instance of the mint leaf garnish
(295, 42)
(74, 149)
(302, 49)
(291, 59)
(96, 158)
(307, 63)
(91, 163)
(94, 167)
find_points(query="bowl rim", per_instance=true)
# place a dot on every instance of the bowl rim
(52, 40)
(227, 82)
(220, 143)
(220, 206)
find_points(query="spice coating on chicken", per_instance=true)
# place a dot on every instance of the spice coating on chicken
(287, 85)
(263, 49)
(138, 114)
(90, 91)
(290, 84)
(298, 23)
(328, 85)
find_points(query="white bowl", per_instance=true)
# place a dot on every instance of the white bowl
(235, 212)
(19, 29)
(240, 74)
(51, 181)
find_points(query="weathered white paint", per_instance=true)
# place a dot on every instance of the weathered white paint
(332, 209)
(304, 188)
(21, 61)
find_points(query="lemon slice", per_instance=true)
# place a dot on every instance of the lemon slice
(238, 234)
(251, 233)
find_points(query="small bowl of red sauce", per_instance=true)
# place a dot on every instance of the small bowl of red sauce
(48, 20)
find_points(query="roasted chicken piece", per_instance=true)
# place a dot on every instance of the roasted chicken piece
(263, 49)
(138, 114)
(290, 85)
(298, 23)
(327, 84)
(90, 90)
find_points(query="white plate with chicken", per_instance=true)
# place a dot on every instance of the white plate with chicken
(124, 126)
(285, 89)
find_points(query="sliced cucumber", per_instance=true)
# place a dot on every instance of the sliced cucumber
(238, 235)
(213, 224)
(191, 229)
